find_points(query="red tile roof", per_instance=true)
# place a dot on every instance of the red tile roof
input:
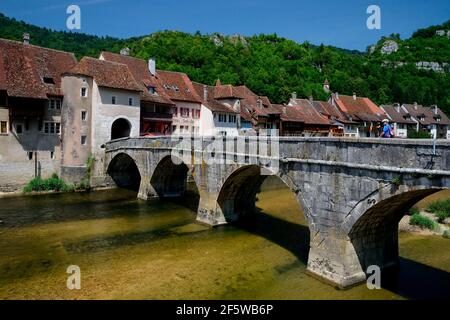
(23, 68)
(107, 74)
(178, 86)
(305, 110)
(249, 101)
(211, 103)
(360, 108)
(397, 114)
(140, 72)
(329, 111)
(226, 91)
(428, 113)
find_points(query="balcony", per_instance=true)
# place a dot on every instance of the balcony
(157, 116)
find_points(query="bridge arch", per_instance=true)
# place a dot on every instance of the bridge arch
(170, 177)
(374, 232)
(237, 195)
(124, 171)
(120, 128)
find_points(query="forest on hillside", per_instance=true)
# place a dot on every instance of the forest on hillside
(274, 66)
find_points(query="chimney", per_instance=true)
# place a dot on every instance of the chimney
(152, 66)
(336, 95)
(26, 38)
(218, 83)
(435, 109)
(354, 95)
(415, 105)
(259, 103)
(205, 92)
(397, 107)
(284, 109)
(311, 98)
(125, 52)
(294, 95)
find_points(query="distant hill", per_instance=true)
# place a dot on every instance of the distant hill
(276, 67)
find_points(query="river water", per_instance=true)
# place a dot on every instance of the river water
(131, 249)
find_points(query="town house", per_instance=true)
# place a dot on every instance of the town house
(430, 119)
(102, 103)
(156, 106)
(363, 114)
(401, 119)
(217, 119)
(30, 111)
(256, 112)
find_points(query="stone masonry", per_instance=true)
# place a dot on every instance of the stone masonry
(353, 191)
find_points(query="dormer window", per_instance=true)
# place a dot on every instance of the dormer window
(151, 90)
(48, 80)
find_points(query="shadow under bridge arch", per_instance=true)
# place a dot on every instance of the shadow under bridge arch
(124, 172)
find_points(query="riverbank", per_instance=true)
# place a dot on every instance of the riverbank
(421, 206)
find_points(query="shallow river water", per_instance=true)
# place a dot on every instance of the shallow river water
(131, 249)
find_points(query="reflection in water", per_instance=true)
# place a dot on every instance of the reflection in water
(134, 249)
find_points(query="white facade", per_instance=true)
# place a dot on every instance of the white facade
(351, 130)
(218, 123)
(186, 119)
(104, 113)
(400, 130)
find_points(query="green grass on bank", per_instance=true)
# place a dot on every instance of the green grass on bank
(441, 209)
(422, 221)
(54, 183)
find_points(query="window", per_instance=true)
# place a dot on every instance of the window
(3, 127)
(184, 112)
(48, 80)
(174, 128)
(151, 90)
(84, 92)
(130, 102)
(83, 115)
(52, 155)
(222, 117)
(232, 118)
(54, 104)
(83, 140)
(52, 127)
(19, 128)
(175, 111)
(196, 114)
(30, 155)
(113, 100)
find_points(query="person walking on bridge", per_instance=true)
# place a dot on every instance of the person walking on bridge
(387, 130)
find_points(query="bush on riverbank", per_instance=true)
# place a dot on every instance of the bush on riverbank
(422, 221)
(54, 183)
(441, 209)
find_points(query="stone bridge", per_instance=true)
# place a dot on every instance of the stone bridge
(353, 191)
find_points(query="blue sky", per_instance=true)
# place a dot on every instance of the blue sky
(338, 23)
